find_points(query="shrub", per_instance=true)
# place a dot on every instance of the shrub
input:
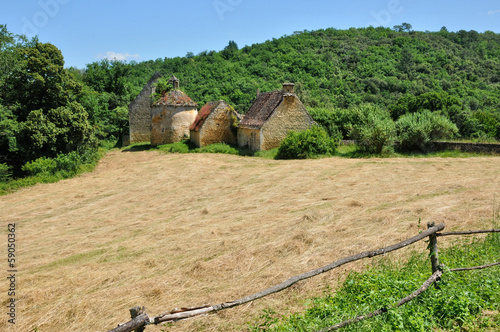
(306, 144)
(337, 122)
(68, 163)
(376, 131)
(468, 126)
(416, 130)
(218, 148)
(162, 86)
(177, 147)
(42, 165)
(5, 172)
(489, 123)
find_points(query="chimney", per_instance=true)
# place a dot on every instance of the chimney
(288, 88)
(175, 82)
(258, 92)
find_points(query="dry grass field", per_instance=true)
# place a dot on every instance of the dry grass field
(171, 230)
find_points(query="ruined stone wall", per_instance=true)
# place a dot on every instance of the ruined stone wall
(139, 112)
(171, 123)
(194, 137)
(218, 127)
(249, 138)
(466, 147)
(290, 115)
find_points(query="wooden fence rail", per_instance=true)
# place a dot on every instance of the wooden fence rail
(469, 232)
(140, 319)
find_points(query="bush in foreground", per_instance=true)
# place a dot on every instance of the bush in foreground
(416, 130)
(310, 143)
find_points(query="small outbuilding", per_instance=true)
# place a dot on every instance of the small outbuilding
(271, 117)
(172, 115)
(139, 113)
(216, 122)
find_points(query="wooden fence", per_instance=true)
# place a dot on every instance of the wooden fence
(140, 319)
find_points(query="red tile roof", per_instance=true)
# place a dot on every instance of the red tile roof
(203, 114)
(175, 98)
(261, 109)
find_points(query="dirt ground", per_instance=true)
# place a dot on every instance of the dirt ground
(169, 230)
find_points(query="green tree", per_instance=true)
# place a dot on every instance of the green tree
(407, 62)
(405, 27)
(8, 55)
(230, 50)
(8, 132)
(39, 81)
(109, 77)
(56, 131)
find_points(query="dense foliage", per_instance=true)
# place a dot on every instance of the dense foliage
(47, 110)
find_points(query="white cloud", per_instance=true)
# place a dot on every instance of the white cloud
(119, 56)
(493, 12)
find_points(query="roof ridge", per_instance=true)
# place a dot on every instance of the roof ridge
(261, 109)
(203, 114)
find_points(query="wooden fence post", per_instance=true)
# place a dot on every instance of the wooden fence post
(135, 312)
(434, 253)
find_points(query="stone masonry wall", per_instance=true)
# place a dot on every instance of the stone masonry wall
(139, 112)
(218, 128)
(466, 147)
(171, 123)
(249, 138)
(290, 115)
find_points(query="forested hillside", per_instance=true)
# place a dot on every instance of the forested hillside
(48, 110)
(341, 68)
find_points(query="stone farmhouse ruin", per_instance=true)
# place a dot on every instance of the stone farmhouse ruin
(271, 117)
(175, 117)
(216, 122)
(172, 115)
(139, 113)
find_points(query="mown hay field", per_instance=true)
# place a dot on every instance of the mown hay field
(176, 230)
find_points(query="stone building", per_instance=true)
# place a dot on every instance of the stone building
(271, 117)
(216, 122)
(139, 113)
(171, 116)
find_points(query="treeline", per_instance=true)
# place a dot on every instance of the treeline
(48, 111)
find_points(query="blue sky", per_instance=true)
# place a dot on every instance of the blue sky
(89, 30)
